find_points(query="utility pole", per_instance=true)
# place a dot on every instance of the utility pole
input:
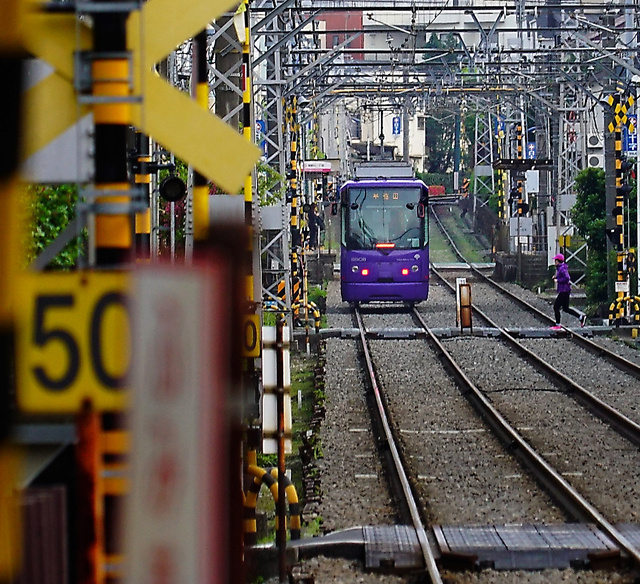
(456, 154)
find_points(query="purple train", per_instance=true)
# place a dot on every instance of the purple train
(385, 240)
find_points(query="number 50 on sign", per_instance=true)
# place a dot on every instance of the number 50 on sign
(73, 341)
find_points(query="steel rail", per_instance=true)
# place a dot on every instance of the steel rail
(577, 505)
(618, 361)
(427, 553)
(623, 425)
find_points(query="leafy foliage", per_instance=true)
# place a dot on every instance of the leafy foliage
(589, 212)
(52, 208)
(271, 185)
(439, 137)
(437, 179)
(589, 216)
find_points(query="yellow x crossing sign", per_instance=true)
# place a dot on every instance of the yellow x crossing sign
(53, 38)
(166, 114)
(620, 112)
(169, 115)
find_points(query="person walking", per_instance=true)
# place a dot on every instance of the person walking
(316, 223)
(563, 279)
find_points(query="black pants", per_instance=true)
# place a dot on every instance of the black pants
(562, 302)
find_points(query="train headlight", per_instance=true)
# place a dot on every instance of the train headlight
(365, 271)
(355, 269)
(405, 271)
(414, 269)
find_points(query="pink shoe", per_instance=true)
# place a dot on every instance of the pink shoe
(557, 327)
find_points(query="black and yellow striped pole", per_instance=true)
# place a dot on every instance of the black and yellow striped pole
(618, 213)
(111, 100)
(143, 182)
(502, 199)
(111, 79)
(250, 373)
(247, 126)
(296, 240)
(11, 59)
(503, 214)
(519, 179)
(200, 183)
(270, 478)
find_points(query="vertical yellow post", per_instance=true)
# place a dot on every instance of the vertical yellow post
(200, 183)
(112, 79)
(519, 185)
(112, 117)
(251, 378)
(296, 236)
(143, 181)
(247, 126)
(11, 60)
(619, 216)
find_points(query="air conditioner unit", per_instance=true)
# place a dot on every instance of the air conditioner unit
(594, 141)
(595, 160)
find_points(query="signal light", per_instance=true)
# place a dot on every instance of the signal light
(614, 234)
(290, 172)
(626, 165)
(172, 188)
(625, 189)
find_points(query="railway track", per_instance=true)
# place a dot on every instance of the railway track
(528, 312)
(573, 504)
(397, 467)
(463, 473)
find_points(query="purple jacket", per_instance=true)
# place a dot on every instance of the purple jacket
(563, 278)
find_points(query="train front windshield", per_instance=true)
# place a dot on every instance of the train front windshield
(383, 217)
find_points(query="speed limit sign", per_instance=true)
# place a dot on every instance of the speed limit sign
(251, 335)
(73, 341)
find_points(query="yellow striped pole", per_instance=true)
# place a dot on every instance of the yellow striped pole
(111, 101)
(12, 66)
(143, 182)
(200, 183)
(250, 373)
(247, 126)
(519, 156)
(619, 215)
(112, 115)
(296, 240)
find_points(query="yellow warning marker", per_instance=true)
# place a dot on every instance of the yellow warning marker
(168, 115)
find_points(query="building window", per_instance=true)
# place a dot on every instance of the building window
(420, 122)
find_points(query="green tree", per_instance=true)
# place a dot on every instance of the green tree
(51, 208)
(589, 216)
(271, 184)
